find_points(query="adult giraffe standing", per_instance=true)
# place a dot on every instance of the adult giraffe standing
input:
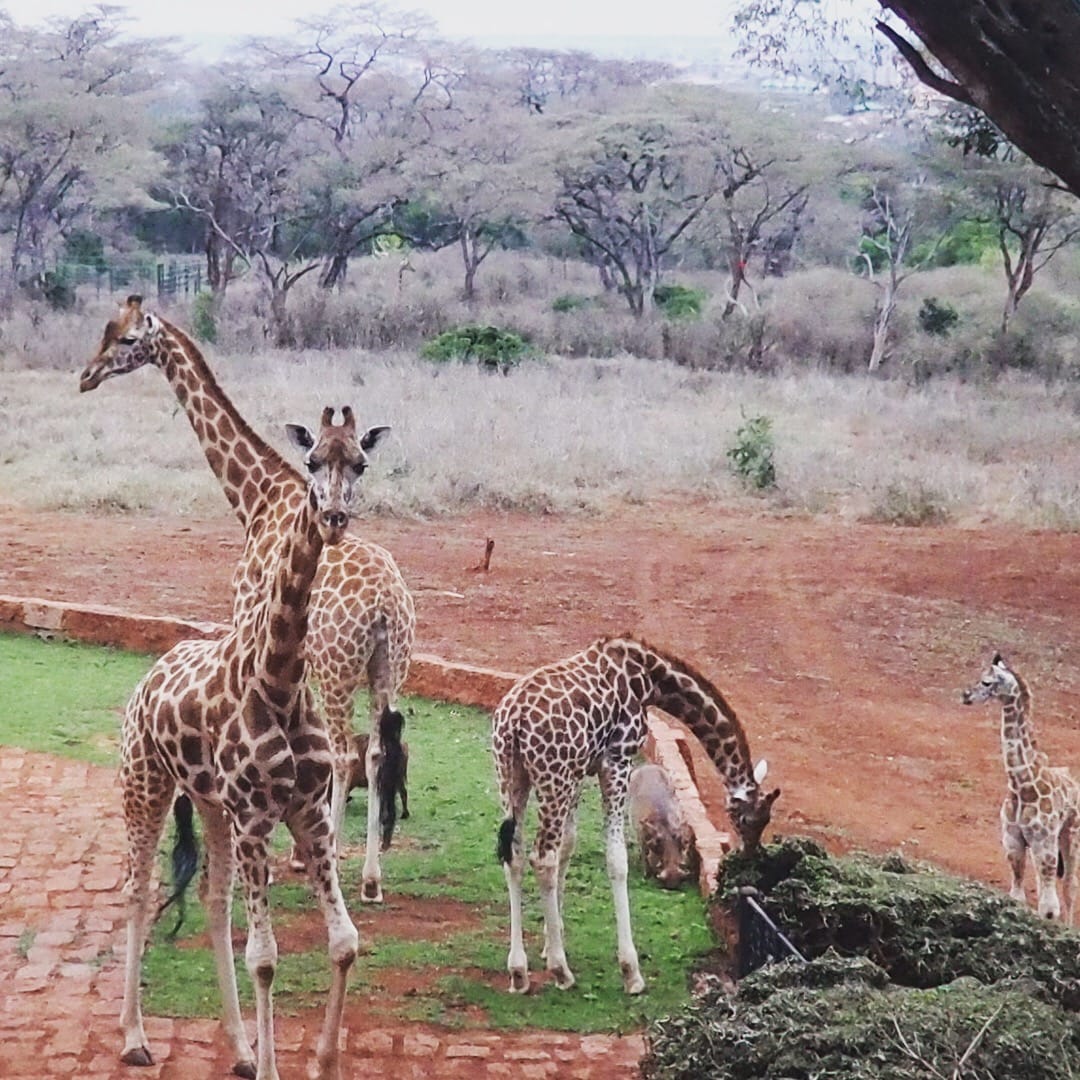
(358, 584)
(232, 725)
(586, 716)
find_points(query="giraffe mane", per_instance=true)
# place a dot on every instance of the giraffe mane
(706, 685)
(243, 427)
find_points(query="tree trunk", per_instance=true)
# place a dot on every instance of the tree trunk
(468, 257)
(334, 274)
(882, 321)
(737, 269)
(279, 317)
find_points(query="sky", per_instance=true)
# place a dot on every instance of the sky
(456, 18)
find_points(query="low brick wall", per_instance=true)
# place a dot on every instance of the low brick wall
(429, 676)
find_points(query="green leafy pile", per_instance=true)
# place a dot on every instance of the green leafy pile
(911, 973)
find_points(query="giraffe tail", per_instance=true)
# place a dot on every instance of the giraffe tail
(505, 847)
(185, 861)
(390, 777)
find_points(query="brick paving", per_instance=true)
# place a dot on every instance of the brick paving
(61, 965)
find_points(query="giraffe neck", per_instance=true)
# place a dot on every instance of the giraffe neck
(246, 467)
(684, 694)
(281, 627)
(1017, 737)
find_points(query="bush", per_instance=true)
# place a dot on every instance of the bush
(751, 456)
(488, 345)
(910, 503)
(204, 318)
(937, 319)
(570, 302)
(680, 301)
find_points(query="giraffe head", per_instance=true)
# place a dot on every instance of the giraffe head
(750, 808)
(335, 460)
(127, 344)
(997, 682)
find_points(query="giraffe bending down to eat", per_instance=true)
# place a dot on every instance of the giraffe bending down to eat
(358, 586)
(232, 725)
(585, 716)
(1041, 812)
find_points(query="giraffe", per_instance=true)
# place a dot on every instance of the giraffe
(585, 716)
(358, 584)
(232, 725)
(1042, 808)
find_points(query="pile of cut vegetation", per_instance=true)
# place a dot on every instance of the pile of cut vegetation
(911, 973)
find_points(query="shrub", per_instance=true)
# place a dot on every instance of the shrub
(204, 318)
(489, 346)
(751, 455)
(910, 503)
(680, 301)
(937, 319)
(570, 302)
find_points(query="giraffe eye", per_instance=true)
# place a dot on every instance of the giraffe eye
(314, 465)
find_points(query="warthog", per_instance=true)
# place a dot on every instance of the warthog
(667, 845)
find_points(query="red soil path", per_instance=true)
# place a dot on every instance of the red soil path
(842, 646)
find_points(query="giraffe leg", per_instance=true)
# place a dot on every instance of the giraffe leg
(514, 794)
(1068, 861)
(316, 840)
(260, 956)
(371, 875)
(1044, 854)
(147, 798)
(216, 897)
(614, 777)
(1012, 839)
(554, 814)
(566, 852)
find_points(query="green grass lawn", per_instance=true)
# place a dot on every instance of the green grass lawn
(67, 699)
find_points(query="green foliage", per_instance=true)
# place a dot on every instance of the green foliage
(967, 242)
(85, 248)
(570, 302)
(680, 301)
(490, 346)
(912, 973)
(64, 698)
(751, 455)
(935, 318)
(204, 317)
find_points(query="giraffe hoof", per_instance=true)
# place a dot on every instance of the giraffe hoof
(563, 977)
(246, 1069)
(519, 981)
(140, 1055)
(633, 983)
(371, 892)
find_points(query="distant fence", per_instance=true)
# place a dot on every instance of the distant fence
(170, 278)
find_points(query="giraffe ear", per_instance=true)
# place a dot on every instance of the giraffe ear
(300, 436)
(372, 437)
(761, 770)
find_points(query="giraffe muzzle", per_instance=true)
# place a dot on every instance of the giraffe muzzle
(335, 519)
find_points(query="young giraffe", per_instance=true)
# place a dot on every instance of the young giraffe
(1041, 812)
(233, 726)
(358, 585)
(585, 716)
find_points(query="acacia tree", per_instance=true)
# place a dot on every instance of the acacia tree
(633, 190)
(361, 78)
(1034, 222)
(1014, 60)
(255, 201)
(72, 103)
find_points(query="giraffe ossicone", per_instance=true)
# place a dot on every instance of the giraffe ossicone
(358, 589)
(1040, 815)
(584, 716)
(231, 725)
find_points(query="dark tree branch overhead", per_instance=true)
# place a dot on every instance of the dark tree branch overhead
(1015, 60)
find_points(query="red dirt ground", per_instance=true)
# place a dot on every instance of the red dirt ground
(843, 646)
